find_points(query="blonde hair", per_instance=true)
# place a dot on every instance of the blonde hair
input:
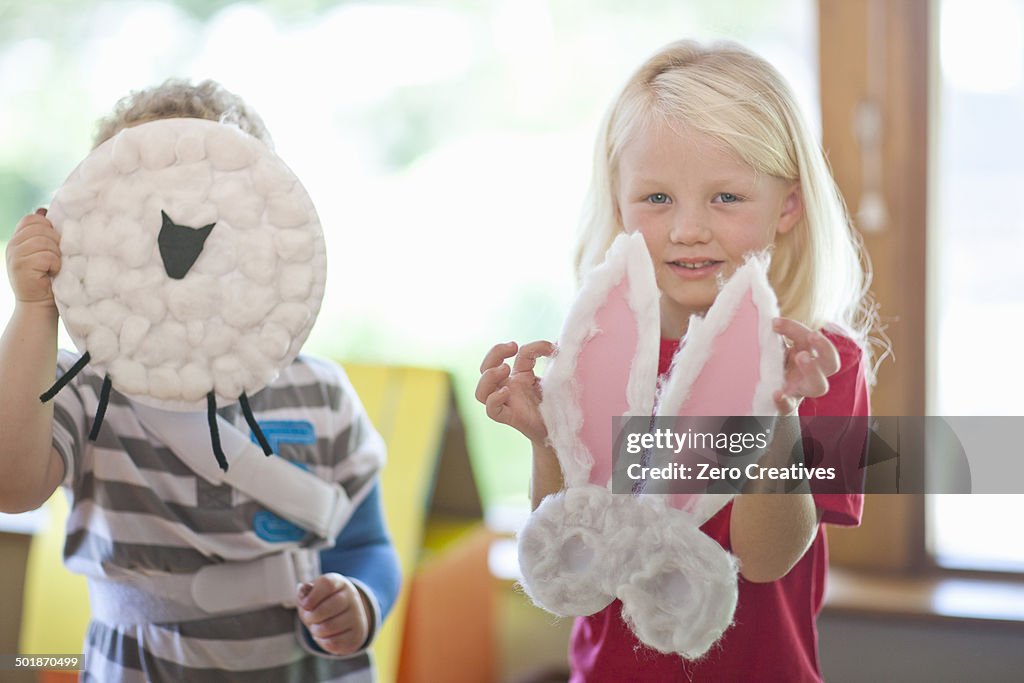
(819, 269)
(177, 98)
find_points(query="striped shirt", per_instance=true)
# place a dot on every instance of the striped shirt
(137, 510)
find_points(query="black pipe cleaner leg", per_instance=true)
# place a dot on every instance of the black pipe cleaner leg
(63, 380)
(211, 418)
(101, 409)
(254, 426)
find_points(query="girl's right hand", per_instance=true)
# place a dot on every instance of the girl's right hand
(512, 394)
(33, 257)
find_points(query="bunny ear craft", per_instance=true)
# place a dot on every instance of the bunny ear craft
(585, 546)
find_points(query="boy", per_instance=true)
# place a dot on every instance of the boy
(141, 520)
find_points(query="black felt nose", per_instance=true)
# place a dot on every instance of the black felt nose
(180, 246)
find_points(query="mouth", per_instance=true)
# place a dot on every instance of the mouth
(695, 265)
(694, 268)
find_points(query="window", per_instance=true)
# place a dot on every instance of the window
(976, 283)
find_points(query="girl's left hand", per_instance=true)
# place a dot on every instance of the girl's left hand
(335, 613)
(810, 360)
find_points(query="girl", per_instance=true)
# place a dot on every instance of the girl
(707, 156)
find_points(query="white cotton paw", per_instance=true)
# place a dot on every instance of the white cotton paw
(681, 597)
(563, 551)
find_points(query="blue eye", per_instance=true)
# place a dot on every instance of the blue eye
(658, 198)
(727, 197)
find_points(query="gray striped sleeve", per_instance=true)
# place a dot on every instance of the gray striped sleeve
(355, 437)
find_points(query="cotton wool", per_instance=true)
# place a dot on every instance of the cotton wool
(193, 262)
(589, 544)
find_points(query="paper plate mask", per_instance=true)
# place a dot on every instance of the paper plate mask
(586, 546)
(193, 266)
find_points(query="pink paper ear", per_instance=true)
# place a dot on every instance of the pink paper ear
(607, 362)
(730, 364)
(728, 376)
(604, 362)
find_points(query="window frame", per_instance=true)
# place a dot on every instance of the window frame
(855, 36)
(892, 534)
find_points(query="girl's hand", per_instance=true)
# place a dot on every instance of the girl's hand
(335, 612)
(33, 257)
(512, 394)
(810, 360)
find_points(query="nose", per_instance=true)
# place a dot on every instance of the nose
(689, 226)
(180, 246)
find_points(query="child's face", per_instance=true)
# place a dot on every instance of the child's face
(701, 209)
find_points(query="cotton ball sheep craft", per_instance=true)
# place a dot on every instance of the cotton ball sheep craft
(193, 267)
(587, 545)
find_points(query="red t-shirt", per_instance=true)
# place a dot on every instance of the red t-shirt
(774, 636)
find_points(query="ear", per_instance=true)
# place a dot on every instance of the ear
(730, 366)
(607, 362)
(792, 209)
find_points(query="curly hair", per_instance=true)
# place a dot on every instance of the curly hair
(178, 98)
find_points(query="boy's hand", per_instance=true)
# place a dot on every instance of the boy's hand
(512, 394)
(810, 360)
(335, 612)
(33, 257)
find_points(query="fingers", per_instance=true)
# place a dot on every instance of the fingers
(828, 356)
(332, 626)
(810, 379)
(527, 357)
(496, 404)
(32, 241)
(345, 643)
(491, 390)
(512, 394)
(511, 406)
(796, 332)
(35, 236)
(491, 380)
(331, 608)
(324, 587)
(498, 354)
(34, 233)
(814, 343)
(785, 405)
(33, 256)
(44, 261)
(33, 219)
(810, 360)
